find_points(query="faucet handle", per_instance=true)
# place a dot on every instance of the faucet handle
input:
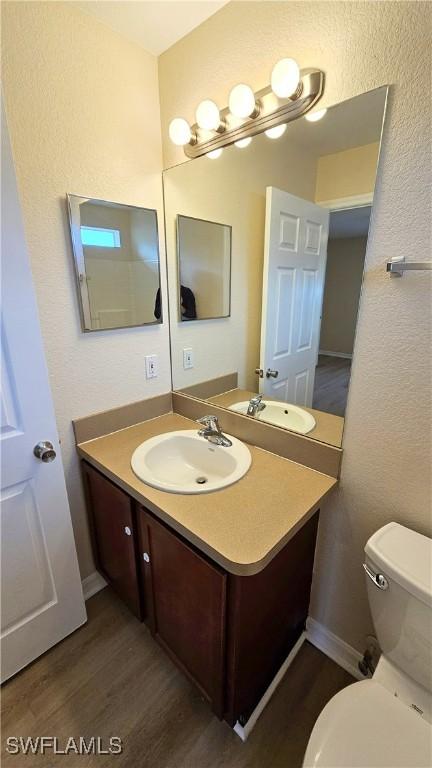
(209, 421)
(256, 399)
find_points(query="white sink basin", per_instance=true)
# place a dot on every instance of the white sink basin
(281, 415)
(184, 462)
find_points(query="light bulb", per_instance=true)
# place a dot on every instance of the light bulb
(214, 154)
(180, 132)
(207, 115)
(285, 78)
(242, 101)
(313, 117)
(277, 132)
(241, 143)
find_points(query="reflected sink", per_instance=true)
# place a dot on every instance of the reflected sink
(281, 415)
(184, 462)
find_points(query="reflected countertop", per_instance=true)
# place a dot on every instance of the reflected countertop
(328, 429)
(241, 527)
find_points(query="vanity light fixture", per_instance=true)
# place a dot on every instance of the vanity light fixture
(215, 153)
(276, 132)
(292, 93)
(242, 143)
(313, 117)
(181, 133)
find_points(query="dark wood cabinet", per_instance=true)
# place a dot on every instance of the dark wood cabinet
(186, 595)
(266, 616)
(112, 525)
(230, 634)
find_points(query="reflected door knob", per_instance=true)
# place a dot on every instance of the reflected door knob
(44, 451)
(271, 374)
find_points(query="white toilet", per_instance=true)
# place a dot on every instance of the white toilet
(386, 721)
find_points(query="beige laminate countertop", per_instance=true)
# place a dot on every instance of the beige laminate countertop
(241, 527)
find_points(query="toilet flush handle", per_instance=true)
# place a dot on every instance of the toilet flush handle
(378, 579)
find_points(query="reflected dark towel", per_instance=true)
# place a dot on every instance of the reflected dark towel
(188, 303)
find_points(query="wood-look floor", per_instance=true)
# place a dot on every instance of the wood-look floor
(332, 376)
(111, 679)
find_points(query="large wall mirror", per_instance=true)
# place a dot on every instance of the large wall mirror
(299, 208)
(116, 254)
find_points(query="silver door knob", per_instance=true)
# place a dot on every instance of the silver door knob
(259, 372)
(44, 451)
(271, 374)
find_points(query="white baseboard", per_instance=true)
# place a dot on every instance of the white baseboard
(333, 647)
(244, 730)
(92, 584)
(345, 355)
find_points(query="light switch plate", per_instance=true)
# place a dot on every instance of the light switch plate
(188, 358)
(152, 366)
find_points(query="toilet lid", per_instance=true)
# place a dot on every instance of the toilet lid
(364, 726)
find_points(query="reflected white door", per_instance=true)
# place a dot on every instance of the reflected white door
(295, 252)
(42, 599)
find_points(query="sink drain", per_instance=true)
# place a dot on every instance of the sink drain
(201, 480)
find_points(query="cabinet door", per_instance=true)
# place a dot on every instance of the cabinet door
(267, 614)
(186, 596)
(114, 543)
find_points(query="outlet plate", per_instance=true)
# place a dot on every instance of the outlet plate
(188, 358)
(152, 366)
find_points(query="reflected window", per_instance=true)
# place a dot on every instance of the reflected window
(100, 237)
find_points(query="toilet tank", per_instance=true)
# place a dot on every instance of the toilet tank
(402, 610)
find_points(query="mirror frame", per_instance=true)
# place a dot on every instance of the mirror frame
(80, 270)
(206, 221)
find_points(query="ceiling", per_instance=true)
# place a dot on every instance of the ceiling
(154, 25)
(351, 222)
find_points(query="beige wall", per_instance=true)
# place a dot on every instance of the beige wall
(344, 274)
(386, 464)
(347, 173)
(83, 112)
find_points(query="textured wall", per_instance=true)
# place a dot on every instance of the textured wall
(386, 465)
(82, 107)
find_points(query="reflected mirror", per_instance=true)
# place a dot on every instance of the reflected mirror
(116, 253)
(204, 268)
(299, 207)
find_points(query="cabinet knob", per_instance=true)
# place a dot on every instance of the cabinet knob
(146, 557)
(127, 531)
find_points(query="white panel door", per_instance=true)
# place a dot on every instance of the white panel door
(42, 599)
(295, 252)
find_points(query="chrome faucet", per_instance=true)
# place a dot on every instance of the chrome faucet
(212, 431)
(255, 405)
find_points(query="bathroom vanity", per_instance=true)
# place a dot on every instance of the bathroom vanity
(221, 579)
